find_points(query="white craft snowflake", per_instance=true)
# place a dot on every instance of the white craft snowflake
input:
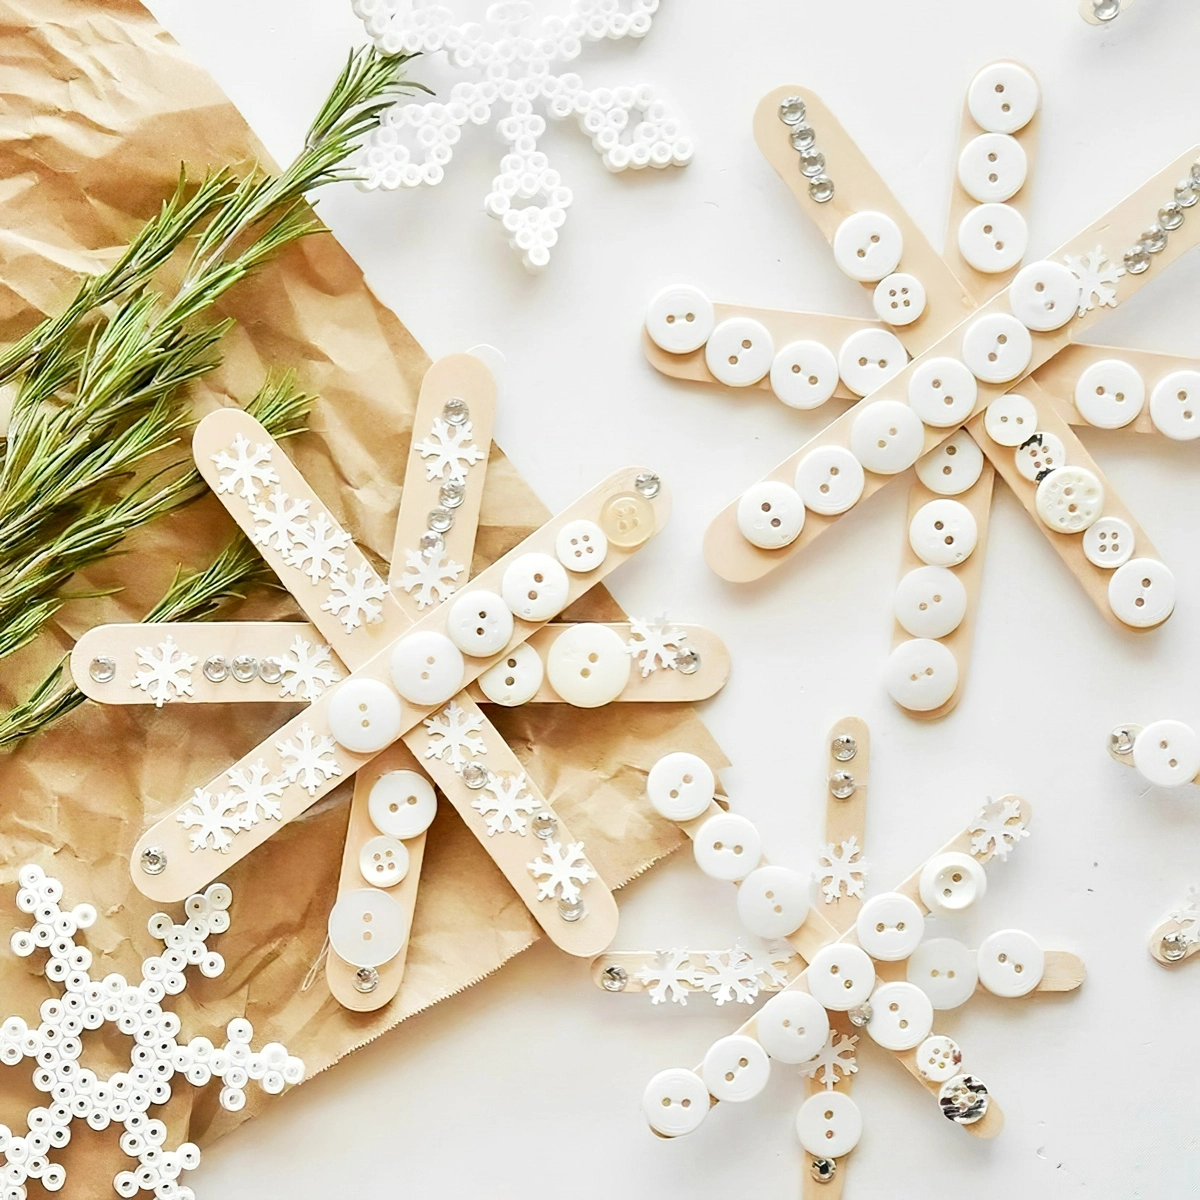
(429, 576)
(1187, 915)
(834, 1061)
(670, 977)
(841, 870)
(656, 642)
(317, 548)
(355, 598)
(998, 828)
(307, 670)
(451, 450)
(1097, 279)
(731, 975)
(164, 672)
(453, 736)
(308, 760)
(506, 804)
(214, 819)
(244, 471)
(258, 794)
(561, 871)
(278, 521)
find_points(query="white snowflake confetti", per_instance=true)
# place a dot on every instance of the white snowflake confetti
(730, 975)
(561, 872)
(656, 642)
(451, 450)
(308, 760)
(1187, 915)
(841, 870)
(834, 1061)
(307, 670)
(453, 737)
(317, 546)
(278, 521)
(1097, 279)
(429, 576)
(355, 598)
(214, 820)
(258, 795)
(164, 674)
(244, 471)
(998, 828)
(506, 803)
(670, 977)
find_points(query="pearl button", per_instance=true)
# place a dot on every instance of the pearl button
(1043, 452)
(1175, 406)
(773, 901)
(829, 1124)
(899, 299)
(997, 348)
(479, 623)
(829, 480)
(889, 926)
(739, 352)
(943, 533)
(840, 976)
(402, 804)
(367, 927)
(901, 1016)
(792, 1027)
(1108, 543)
(1010, 420)
(1110, 394)
(930, 602)
(952, 882)
(1070, 499)
(1044, 296)
(952, 467)
(921, 675)
(804, 374)
(383, 861)
(993, 238)
(581, 546)
(675, 1102)
(1142, 593)
(770, 515)
(588, 666)
(945, 970)
(1010, 963)
(867, 246)
(938, 1059)
(887, 437)
(515, 679)
(942, 392)
(427, 668)
(992, 167)
(1002, 98)
(681, 786)
(680, 319)
(1167, 753)
(735, 1068)
(364, 715)
(868, 358)
(727, 846)
(535, 587)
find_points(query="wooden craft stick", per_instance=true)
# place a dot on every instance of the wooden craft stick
(846, 818)
(810, 1187)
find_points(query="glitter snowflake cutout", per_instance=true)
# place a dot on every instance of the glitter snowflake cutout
(453, 736)
(730, 975)
(998, 828)
(244, 471)
(214, 819)
(1097, 279)
(258, 795)
(165, 672)
(278, 521)
(317, 548)
(841, 870)
(308, 760)
(429, 576)
(561, 872)
(670, 977)
(355, 598)
(834, 1061)
(450, 450)
(1187, 915)
(655, 642)
(307, 670)
(506, 804)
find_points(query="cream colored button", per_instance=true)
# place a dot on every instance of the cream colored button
(1108, 543)
(1043, 452)
(829, 1124)
(367, 927)
(383, 861)
(867, 246)
(841, 976)
(938, 1059)
(804, 374)
(997, 348)
(581, 546)
(587, 665)
(770, 515)
(681, 786)
(942, 392)
(901, 1016)
(889, 926)
(921, 675)
(1110, 394)
(479, 623)
(675, 1102)
(364, 715)
(930, 602)
(680, 319)
(535, 587)
(727, 846)
(402, 804)
(992, 167)
(1175, 406)
(943, 533)
(792, 1027)
(868, 358)
(1044, 296)
(1167, 753)
(1142, 593)
(1010, 420)
(1070, 499)
(952, 467)
(735, 1068)
(1010, 963)
(739, 351)
(627, 520)
(899, 299)
(427, 668)
(945, 970)
(993, 238)
(829, 480)
(773, 901)
(887, 437)
(952, 882)
(1003, 97)
(515, 679)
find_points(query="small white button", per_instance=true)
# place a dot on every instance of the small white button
(890, 926)
(841, 976)
(887, 437)
(1167, 753)
(930, 602)
(739, 351)
(1142, 593)
(952, 467)
(901, 1016)
(1175, 406)
(867, 246)
(993, 238)
(1010, 963)
(383, 861)
(535, 587)
(829, 1124)
(675, 1102)
(1044, 296)
(581, 546)
(945, 970)
(868, 358)
(727, 846)
(938, 1059)
(1010, 420)
(951, 882)
(479, 623)
(515, 679)
(921, 674)
(829, 480)
(402, 804)
(1002, 98)
(997, 348)
(773, 901)
(1041, 453)
(943, 533)
(899, 299)
(992, 167)
(792, 1027)
(364, 715)
(735, 1068)
(1070, 499)
(588, 666)
(1110, 394)
(680, 319)
(804, 374)
(942, 392)
(427, 668)
(367, 927)
(681, 786)
(1108, 543)
(770, 515)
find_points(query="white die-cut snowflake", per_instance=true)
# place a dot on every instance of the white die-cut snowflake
(1187, 915)
(561, 871)
(730, 975)
(834, 1061)
(214, 819)
(429, 576)
(670, 977)
(278, 521)
(317, 546)
(355, 598)
(450, 450)
(164, 672)
(998, 828)
(307, 670)
(244, 471)
(309, 760)
(506, 804)
(656, 642)
(1097, 279)
(258, 794)
(841, 870)
(453, 737)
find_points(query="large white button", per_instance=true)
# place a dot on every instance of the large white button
(1044, 296)
(921, 674)
(680, 319)
(868, 358)
(942, 392)
(938, 1058)
(841, 976)
(427, 668)
(739, 351)
(1142, 592)
(581, 546)
(993, 238)
(901, 1016)
(930, 602)
(515, 679)
(1010, 420)
(1110, 393)
(770, 515)
(383, 861)
(1175, 406)
(1108, 543)
(681, 786)
(899, 299)
(1041, 453)
(364, 715)
(479, 623)
(1167, 753)
(829, 480)
(792, 1027)
(1070, 499)
(804, 374)
(773, 901)
(675, 1102)
(1002, 98)
(402, 804)
(1010, 963)
(727, 846)
(943, 533)
(992, 167)
(535, 587)
(367, 927)
(829, 1124)
(951, 882)
(890, 926)
(887, 437)
(945, 970)
(588, 666)
(952, 467)
(735, 1068)
(867, 246)
(997, 347)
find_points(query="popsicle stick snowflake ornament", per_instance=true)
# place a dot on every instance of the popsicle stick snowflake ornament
(971, 369)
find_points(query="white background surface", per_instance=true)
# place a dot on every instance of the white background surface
(529, 1084)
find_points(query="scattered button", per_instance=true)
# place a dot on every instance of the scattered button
(997, 348)
(993, 238)
(479, 623)
(680, 319)
(829, 480)
(402, 804)
(383, 861)
(1044, 296)
(739, 351)
(1110, 393)
(681, 786)
(727, 846)
(829, 1124)
(1108, 543)
(890, 927)
(901, 1016)
(735, 1068)
(921, 675)
(804, 374)
(1167, 753)
(841, 976)
(992, 167)
(427, 668)
(867, 246)
(868, 358)
(1010, 963)
(1175, 406)
(942, 392)
(675, 1102)
(952, 882)
(535, 587)
(770, 515)
(943, 533)
(581, 546)
(952, 467)
(587, 665)
(627, 520)
(887, 437)
(938, 1058)
(364, 715)
(930, 602)
(899, 299)
(1043, 452)
(792, 1027)
(1003, 97)
(515, 679)
(1142, 592)
(1070, 499)
(1010, 420)
(945, 970)
(367, 927)
(773, 901)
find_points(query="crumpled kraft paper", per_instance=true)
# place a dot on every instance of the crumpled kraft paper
(100, 108)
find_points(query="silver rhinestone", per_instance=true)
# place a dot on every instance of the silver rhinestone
(366, 980)
(474, 775)
(103, 669)
(1120, 741)
(440, 520)
(963, 1099)
(1174, 946)
(1195, 173)
(572, 910)
(614, 979)
(1186, 193)
(432, 541)
(1170, 216)
(154, 860)
(792, 110)
(456, 411)
(216, 668)
(841, 785)
(1106, 10)
(812, 164)
(1137, 259)
(647, 484)
(270, 670)
(245, 668)
(687, 661)
(822, 1169)
(452, 494)
(803, 137)
(821, 189)
(1155, 239)
(860, 1015)
(545, 825)
(843, 747)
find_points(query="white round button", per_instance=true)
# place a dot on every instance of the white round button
(945, 970)
(1042, 452)
(735, 1068)
(773, 901)
(1142, 592)
(943, 533)
(840, 976)
(367, 927)
(680, 319)
(942, 392)
(992, 167)
(921, 674)
(535, 587)
(479, 623)
(1010, 963)
(997, 348)
(1010, 420)
(515, 679)
(1070, 499)
(681, 786)
(1110, 394)
(1044, 296)
(938, 1059)
(792, 1027)
(804, 374)
(364, 715)
(675, 1102)
(727, 846)
(383, 861)
(890, 926)
(402, 804)
(1167, 753)
(887, 437)
(581, 546)
(868, 358)
(1108, 543)
(427, 668)
(1003, 97)
(829, 1124)
(899, 299)
(901, 1016)
(829, 480)
(993, 238)
(867, 246)
(770, 515)
(1175, 406)
(951, 882)
(952, 467)
(739, 351)
(930, 602)
(588, 666)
